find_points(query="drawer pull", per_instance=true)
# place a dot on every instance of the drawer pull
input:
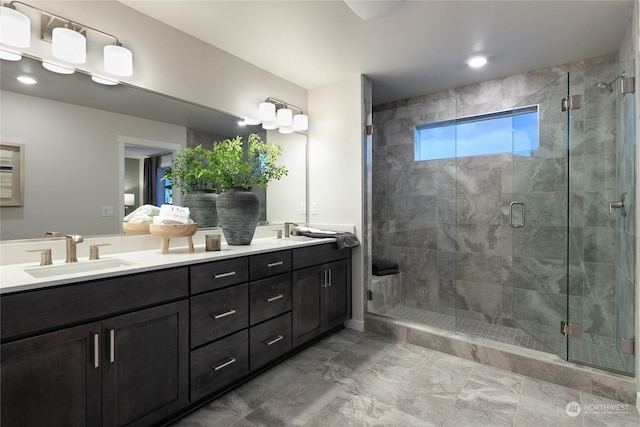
(275, 264)
(96, 350)
(224, 364)
(112, 345)
(221, 275)
(225, 314)
(275, 340)
(277, 297)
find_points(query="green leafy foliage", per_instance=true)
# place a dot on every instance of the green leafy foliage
(231, 163)
(252, 166)
(194, 169)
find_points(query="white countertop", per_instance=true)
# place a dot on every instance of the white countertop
(14, 278)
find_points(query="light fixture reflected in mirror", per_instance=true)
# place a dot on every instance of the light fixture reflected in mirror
(276, 114)
(118, 61)
(104, 80)
(9, 56)
(57, 68)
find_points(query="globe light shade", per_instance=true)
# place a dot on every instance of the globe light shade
(269, 125)
(69, 45)
(267, 112)
(118, 61)
(300, 122)
(285, 130)
(15, 28)
(284, 117)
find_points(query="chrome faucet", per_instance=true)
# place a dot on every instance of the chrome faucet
(288, 229)
(72, 239)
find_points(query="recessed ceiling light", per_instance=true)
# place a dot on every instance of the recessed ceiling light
(27, 80)
(477, 61)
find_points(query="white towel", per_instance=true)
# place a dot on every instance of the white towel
(170, 214)
(144, 211)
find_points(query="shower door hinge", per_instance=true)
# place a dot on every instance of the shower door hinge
(628, 85)
(627, 345)
(368, 130)
(573, 102)
(369, 295)
(570, 329)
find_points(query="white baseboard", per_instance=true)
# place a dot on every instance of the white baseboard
(357, 325)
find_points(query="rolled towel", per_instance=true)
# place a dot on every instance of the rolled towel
(143, 211)
(170, 214)
(379, 264)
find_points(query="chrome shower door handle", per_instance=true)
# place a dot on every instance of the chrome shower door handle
(522, 210)
(619, 205)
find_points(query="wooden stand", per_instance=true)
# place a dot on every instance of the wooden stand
(167, 231)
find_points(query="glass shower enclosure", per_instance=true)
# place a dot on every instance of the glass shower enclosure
(573, 220)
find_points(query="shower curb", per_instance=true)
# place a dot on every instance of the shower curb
(532, 363)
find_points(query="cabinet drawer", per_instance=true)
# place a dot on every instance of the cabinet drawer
(219, 313)
(318, 254)
(269, 264)
(269, 298)
(270, 340)
(50, 308)
(219, 274)
(219, 364)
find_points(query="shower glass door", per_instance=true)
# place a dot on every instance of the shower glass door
(536, 210)
(573, 259)
(602, 240)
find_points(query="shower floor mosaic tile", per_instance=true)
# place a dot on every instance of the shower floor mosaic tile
(361, 379)
(588, 353)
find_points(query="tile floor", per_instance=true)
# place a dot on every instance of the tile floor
(361, 379)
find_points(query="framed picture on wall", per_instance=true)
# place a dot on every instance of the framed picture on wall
(11, 174)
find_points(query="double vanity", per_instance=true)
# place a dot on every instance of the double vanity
(152, 336)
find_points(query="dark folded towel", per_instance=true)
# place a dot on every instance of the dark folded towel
(343, 239)
(386, 272)
(383, 264)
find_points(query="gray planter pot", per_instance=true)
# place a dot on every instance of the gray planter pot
(202, 207)
(238, 211)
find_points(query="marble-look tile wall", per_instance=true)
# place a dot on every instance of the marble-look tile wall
(446, 221)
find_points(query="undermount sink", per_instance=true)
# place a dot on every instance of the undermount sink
(76, 267)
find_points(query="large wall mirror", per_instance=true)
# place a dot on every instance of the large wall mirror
(82, 140)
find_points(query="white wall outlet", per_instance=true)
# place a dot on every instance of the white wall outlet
(303, 208)
(314, 208)
(107, 211)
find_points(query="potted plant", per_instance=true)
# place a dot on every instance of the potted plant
(195, 173)
(242, 167)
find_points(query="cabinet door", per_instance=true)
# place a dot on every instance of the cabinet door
(145, 370)
(52, 379)
(306, 304)
(337, 296)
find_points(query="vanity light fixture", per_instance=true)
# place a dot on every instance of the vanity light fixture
(68, 38)
(275, 114)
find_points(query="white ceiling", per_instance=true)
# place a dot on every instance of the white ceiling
(419, 48)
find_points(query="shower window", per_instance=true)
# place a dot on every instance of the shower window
(502, 132)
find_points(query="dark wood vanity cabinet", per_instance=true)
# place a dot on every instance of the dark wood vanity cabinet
(140, 349)
(321, 293)
(126, 369)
